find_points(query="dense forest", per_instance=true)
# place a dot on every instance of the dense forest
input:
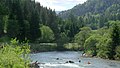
(26, 19)
(94, 13)
(93, 26)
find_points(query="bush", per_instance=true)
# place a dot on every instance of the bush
(82, 36)
(47, 35)
(104, 48)
(103, 54)
(91, 43)
(14, 56)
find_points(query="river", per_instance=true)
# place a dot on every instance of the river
(58, 60)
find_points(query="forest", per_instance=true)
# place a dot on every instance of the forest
(92, 27)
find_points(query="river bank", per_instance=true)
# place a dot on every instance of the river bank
(48, 47)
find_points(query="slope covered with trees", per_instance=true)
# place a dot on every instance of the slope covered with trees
(95, 27)
(94, 13)
(92, 6)
(22, 19)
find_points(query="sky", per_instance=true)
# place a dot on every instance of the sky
(60, 5)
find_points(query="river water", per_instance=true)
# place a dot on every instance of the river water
(58, 60)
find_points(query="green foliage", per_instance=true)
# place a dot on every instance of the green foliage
(93, 6)
(1, 27)
(104, 47)
(91, 43)
(43, 47)
(5, 20)
(13, 31)
(3, 24)
(5, 39)
(47, 34)
(3, 8)
(115, 36)
(72, 46)
(14, 56)
(94, 13)
(21, 19)
(63, 38)
(82, 36)
(104, 42)
(116, 33)
(117, 56)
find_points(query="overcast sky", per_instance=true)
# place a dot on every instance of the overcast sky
(60, 5)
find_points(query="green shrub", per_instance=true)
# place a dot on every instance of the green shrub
(14, 56)
(91, 43)
(104, 48)
(103, 54)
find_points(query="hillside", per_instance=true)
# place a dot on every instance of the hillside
(22, 19)
(93, 6)
(99, 25)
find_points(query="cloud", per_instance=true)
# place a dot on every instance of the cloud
(60, 5)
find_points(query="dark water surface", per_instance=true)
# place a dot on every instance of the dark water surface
(58, 59)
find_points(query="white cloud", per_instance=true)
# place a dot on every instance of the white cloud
(60, 5)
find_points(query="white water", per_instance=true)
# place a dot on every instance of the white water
(50, 60)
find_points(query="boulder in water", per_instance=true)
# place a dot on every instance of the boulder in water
(69, 62)
(79, 61)
(57, 58)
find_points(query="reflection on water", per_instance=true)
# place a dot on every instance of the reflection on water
(59, 59)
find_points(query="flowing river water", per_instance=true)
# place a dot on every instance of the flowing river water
(58, 60)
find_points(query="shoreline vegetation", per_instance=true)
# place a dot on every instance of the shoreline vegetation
(14, 55)
(45, 47)
(22, 50)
